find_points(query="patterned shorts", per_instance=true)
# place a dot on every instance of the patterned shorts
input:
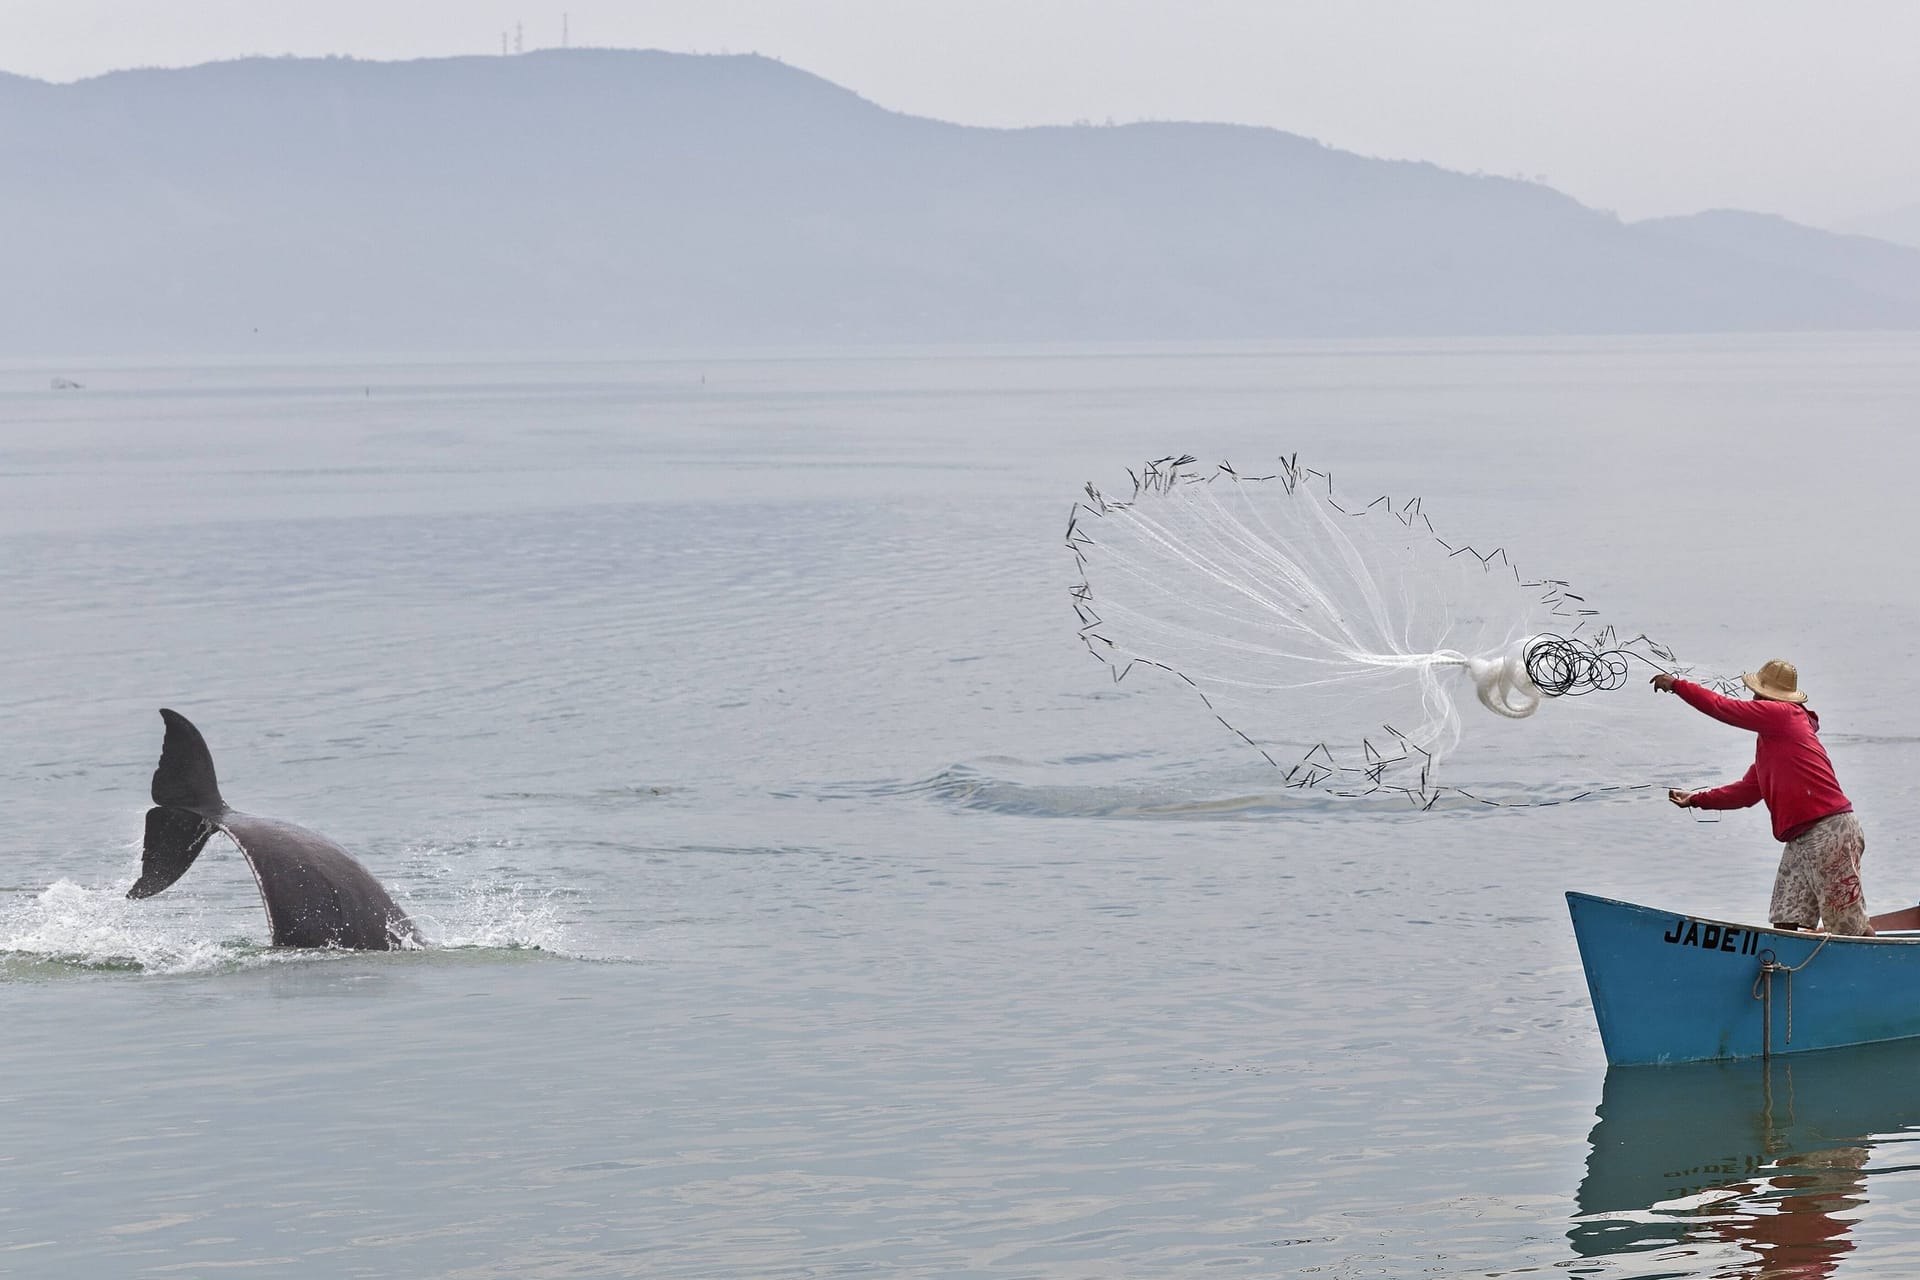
(1819, 879)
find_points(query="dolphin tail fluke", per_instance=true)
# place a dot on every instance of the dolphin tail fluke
(185, 778)
(174, 839)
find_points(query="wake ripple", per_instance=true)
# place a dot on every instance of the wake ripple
(494, 915)
(1193, 799)
(70, 928)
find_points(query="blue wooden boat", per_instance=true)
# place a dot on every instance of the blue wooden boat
(1678, 988)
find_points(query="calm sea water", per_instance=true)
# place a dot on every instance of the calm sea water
(808, 903)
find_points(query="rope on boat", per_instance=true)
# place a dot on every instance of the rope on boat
(1763, 991)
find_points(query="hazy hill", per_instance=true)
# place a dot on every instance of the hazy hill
(1873, 266)
(603, 198)
(1901, 225)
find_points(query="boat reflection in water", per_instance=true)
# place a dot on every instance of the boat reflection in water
(1771, 1157)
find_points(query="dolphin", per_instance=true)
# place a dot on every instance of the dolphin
(317, 895)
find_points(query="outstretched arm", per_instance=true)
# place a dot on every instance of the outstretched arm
(1735, 795)
(1754, 716)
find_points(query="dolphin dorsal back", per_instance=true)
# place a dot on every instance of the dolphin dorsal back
(185, 778)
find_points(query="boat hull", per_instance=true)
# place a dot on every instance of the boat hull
(1678, 988)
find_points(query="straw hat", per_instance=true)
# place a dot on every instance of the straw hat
(1778, 679)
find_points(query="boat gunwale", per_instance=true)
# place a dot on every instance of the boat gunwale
(1905, 936)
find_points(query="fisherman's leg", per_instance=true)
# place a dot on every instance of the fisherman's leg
(1839, 845)
(1796, 899)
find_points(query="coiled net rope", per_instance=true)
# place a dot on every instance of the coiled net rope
(1303, 622)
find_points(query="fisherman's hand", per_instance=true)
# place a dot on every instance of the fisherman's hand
(1664, 683)
(1682, 798)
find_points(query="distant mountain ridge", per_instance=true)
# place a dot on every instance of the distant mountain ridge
(599, 198)
(1873, 266)
(1901, 225)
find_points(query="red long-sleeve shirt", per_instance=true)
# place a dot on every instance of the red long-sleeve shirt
(1790, 770)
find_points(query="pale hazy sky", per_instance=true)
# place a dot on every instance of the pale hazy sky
(1641, 106)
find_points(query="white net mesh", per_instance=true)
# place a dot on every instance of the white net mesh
(1338, 639)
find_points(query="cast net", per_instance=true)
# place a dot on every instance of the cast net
(1345, 642)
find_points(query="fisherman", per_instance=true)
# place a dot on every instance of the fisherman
(1819, 879)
